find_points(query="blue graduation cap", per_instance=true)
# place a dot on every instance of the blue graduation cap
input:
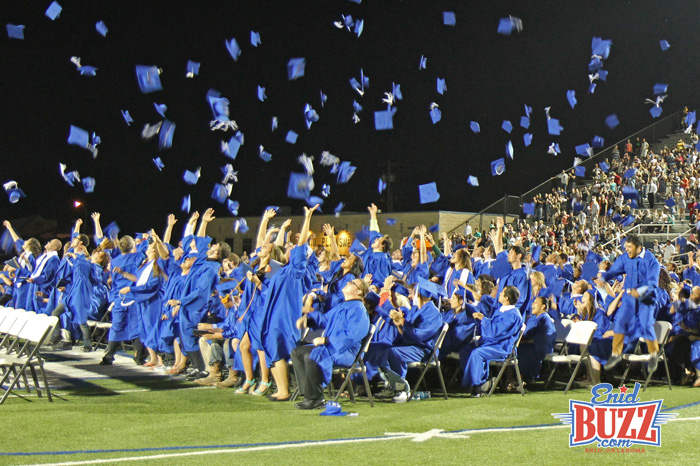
(6, 243)
(233, 48)
(500, 267)
(591, 88)
(529, 208)
(89, 184)
(356, 106)
(240, 226)
(506, 26)
(472, 181)
(324, 98)
(509, 150)
(664, 45)
(593, 257)
(381, 186)
(507, 126)
(159, 164)
(165, 135)
(655, 111)
(670, 202)
(345, 172)
(229, 285)
(628, 192)
(660, 89)
(191, 178)
(611, 121)
(313, 200)
(15, 195)
(161, 109)
(604, 167)
(601, 47)
(571, 97)
(291, 137)
(474, 127)
(435, 114)
(430, 289)
(53, 11)
(524, 122)
(391, 221)
(423, 62)
(232, 207)
(629, 173)
(148, 78)
(617, 218)
(300, 185)
(254, 38)
(554, 127)
(627, 221)
(359, 27)
(127, 117)
(15, 31)
(310, 116)
(498, 167)
(326, 190)
(261, 94)
(266, 156)
(448, 18)
(230, 149)
(220, 193)
(218, 104)
(78, 137)
(690, 118)
(434, 228)
(598, 142)
(633, 204)
(536, 253)
(185, 206)
(602, 75)
(357, 246)
(580, 170)
(192, 69)
(396, 90)
(441, 86)
(101, 28)
(111, 231)
(557, 287)
(275, 123)
(339, 208)
(595, 64)
(428, 193)
(584, 149)
(296, 68)
(589, 270)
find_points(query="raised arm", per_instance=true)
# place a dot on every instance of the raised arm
(262, 230)
(446, 244)
(191, 224)
(498, 237)
(373, 224)
(330, 232)
(279, 241)
(160, 247)
(11, 230)
(169, 229)
(303, 235)
(98, 228)
(76, 227)
(206, 218)
(423, 249)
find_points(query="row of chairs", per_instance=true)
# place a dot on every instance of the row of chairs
(21, 335)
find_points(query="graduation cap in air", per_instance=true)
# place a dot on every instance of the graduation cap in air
(148, 78)
(589, 270)
(584, 149)
(629, 173)
(232, 207)
(474, 126)
(664, 45)
(225, 288)
(423, 63)
(345, 172)
(383, 120)
(15, 194)
(192, 69)
(627, 221)
(6, 243)
(529, 208)
(165, 136)
(191, 178)
(396, 91)
(89, 184)
(434, 228)
(220, 193)
(325, 190)
(391, 221)
(101, 28)
(111, 231)
(571, 97)
(670, 202)
(509, 150)
(554, 149)
(435, 113)
(362, 234)
(628, 192)
(357, 246)
(633, 204)
(611, 121)
(356, 106)
(536, 253)
(617, 218)
(430, 289)
(498, 167)
(300, 186)
(291, 137)
(381, 186)
(240, 226)
(448, 18)
(186, 203)
(593, 257)
(500, 267)
(266, 156)
(472, 181)
(601, 47)
(598, 142)
(233, 48)
(12, 262)
(219, 105)
(578, 207)
(296, 68)
(254, 38)
(78, 137)
(261, 94)
(557, 287)
(127, 117)
(604, 167)
(441, 86)
(53, 11)
(655, 111)
(554, 127)
(339, 208)
(230, 149)
(524, 122)
(310, 116)
(580, 170)
(15, 31)
(160, 108)
(506, 26)
(428, 193)
(660, 89)
(507, 126)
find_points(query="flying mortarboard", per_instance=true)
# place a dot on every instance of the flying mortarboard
(15, 31)
(261, 94)
(220, 193)
(601, 47)
(345, 172)
(571, 97)
(381, 186)
(89, 184)
(448, 18)
(664, 45)
(185, 207)
(232, 207)
(580, 170)
(584, 149)
(296, 68)
(629, 173)
(655, 111)
(53, 11)
(428, 193)
(78, 137)
(529, 208)
(101, 28)
(660, 89)
(598, 142)
(148, 78)
(627, 221)
(472, 181)
(339, 208)
(391, 221)
(604, 167)
(578, 207)
(527, 139)
(15, 194)
(423, 62)
(507, 126)
(524, 122)
(191, 178)
(554, 127)
(557, 287)
(161, 109)
(127, 117)
(589, 270)
(254, 38)
(670, 202)
(611, 121)
(291, 137)
(498, 167)
(300, 186)
(435, 113)
(241, 226)
(474, 127)
(509, 150)
(357, 246)
(441, 86)
(266, 156)
(233, 48)
(500, 267)
(192, 69)
(628, 192)
(506, 26)
(165, 136)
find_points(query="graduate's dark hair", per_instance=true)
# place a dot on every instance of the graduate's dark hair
(545, 301)
(512, 294)
(664, 280)
(224, 251)
(83, 238)
(634, 240)
(684, 293)
(34, 246)
(464, 258)
(235, 259)
(520, 251)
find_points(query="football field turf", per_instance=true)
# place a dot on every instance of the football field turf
(128, 415)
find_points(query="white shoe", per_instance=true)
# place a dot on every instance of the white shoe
(400, 398)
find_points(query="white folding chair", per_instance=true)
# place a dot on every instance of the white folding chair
(8, 321)
(581, 333)
(431, 362)
(11, 341)
(663, 332)
(37, 329)
(511, 360)
(358, 366)
(562, 327)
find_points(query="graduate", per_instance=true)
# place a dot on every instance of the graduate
(418, 328)
(343, 272)
(41, 280)
(344, 326)
(462, 324)
(498, 336)
(283, 307)
(376, 259)
(28, 252)
(456, 267)
(517, 275)
(538, 339)
(419, 267)
(638, 305)
(549, 269)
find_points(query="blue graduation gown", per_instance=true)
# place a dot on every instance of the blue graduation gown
(498, 336)
(461, 331)
(21, 287)
(283, 307)
(169, 329)
(125, 321)
(377, 263)
(84, 276)
(42, 283)
(519, 279)
(195, 293)
(542, 333)
(147, 298)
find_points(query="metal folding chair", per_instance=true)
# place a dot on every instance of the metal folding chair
(511, 360)
(663, 331)
(358, 366)
(431, 361)
(581, 333)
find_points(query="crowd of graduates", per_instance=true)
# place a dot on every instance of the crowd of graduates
(197, 310)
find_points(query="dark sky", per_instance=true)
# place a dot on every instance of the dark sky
(489, 77)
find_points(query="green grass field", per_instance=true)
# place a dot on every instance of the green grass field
(145, 411)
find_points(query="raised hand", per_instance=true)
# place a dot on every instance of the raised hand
(171, 220)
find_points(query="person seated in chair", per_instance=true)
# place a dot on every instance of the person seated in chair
(538, 339)
(498, 336)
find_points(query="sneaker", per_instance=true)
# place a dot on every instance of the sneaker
(400, 398)
(653, 363)
(385, 394)
(613, 361)
(87, 349)
(62, 346)
(106, 362)
(197, 374)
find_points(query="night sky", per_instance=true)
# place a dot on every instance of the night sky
(489, 78)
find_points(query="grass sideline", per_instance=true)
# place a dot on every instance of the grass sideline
(148, 412)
